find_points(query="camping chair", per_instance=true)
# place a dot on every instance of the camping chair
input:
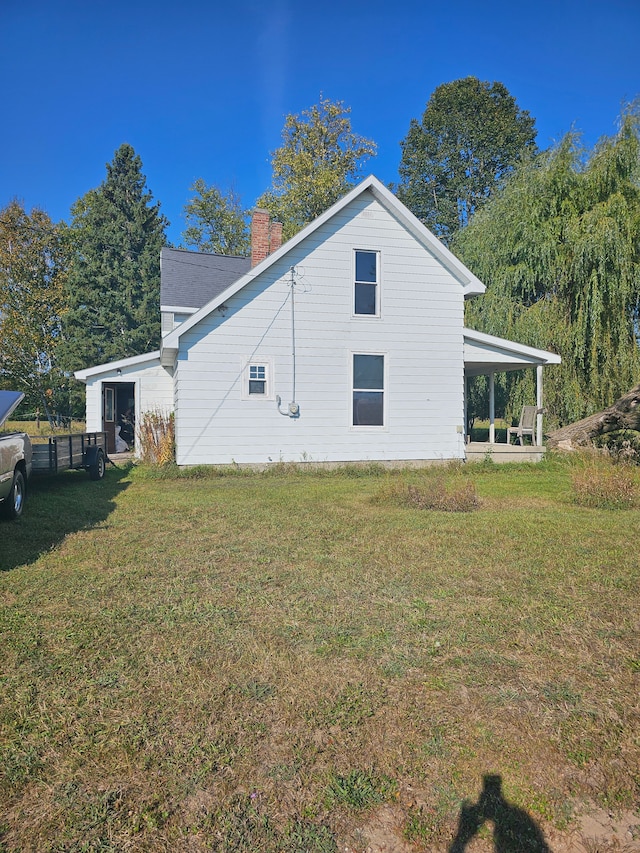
(527, 425)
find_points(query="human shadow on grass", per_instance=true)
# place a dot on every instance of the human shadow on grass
(55, 507)
(514, 830)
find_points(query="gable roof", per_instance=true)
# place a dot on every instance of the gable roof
(471, 285)
(191, 279)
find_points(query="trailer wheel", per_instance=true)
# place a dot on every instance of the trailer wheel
(14, 503)
(98, 466)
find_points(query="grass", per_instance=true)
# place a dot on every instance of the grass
(43, 429)
(243, 661)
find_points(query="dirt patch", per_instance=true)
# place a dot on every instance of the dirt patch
(597, 832)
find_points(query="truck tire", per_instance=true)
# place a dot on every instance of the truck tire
(14, 503)
(98, 466)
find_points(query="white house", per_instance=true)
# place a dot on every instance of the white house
(346, 343)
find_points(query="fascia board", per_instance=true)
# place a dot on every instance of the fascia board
(110, 366)
(512, 346)
(178, 309)
(472, 286)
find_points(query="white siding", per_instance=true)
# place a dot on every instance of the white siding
(419, 331)
(153, 390)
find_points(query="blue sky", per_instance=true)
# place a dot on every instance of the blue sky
(201, 89)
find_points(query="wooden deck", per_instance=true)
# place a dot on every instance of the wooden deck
(477, 451)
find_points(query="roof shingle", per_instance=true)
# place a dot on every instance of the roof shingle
(191, 279)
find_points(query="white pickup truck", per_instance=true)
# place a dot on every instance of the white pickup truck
(15, 460)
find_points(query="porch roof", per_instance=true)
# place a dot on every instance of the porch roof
(485, 354)
(111, 368)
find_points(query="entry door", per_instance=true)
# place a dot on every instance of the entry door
(109, 416)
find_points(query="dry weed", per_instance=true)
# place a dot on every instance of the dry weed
(435, 493)
(156, 433)
(601, 483)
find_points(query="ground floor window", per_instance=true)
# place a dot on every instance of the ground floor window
(257, 380)
(368, 390)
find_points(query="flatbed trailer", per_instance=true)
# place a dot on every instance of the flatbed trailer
(66, 452)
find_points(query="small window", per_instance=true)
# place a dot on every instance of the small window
(109, 404)
(368, 390)
(366, 290)
(257, 379)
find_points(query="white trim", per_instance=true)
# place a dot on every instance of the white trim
(378, 285)
(383, 427)
(269, 379)
(511, 346)
(177, 309)
(112, 366)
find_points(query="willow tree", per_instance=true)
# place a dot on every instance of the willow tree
(559, 249)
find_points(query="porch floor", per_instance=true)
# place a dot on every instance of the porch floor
(476, 451)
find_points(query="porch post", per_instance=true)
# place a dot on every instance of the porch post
(465, 385)
(539, 405)
(492, 409)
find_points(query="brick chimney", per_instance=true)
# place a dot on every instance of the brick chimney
(275, 237)
(266, 236)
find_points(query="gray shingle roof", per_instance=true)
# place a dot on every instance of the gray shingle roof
(191, 279)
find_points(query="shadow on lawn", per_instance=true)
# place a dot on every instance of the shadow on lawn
(514, 831)
(55, 507)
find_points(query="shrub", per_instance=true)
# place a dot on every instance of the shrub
(156, 433)
(623, 445)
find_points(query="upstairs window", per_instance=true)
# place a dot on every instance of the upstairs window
(368, 390)
(366, 290)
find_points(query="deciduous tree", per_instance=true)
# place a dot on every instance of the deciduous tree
(470, 137)
(34, 265)
(216, 221)
(319, 160)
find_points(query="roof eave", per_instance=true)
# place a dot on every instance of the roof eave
(107, 367)
(539, 355)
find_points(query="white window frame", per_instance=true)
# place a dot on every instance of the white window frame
(384, 390)
(377, 285)
(268, 379)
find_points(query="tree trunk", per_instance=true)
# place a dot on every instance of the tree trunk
(624, 414)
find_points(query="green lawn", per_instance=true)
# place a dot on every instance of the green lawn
(265, 662)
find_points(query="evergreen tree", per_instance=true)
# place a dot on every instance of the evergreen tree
(216, 221)
(320, 159)
(471, 135)
(113, 291)
(34, 264)
(559, 250)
